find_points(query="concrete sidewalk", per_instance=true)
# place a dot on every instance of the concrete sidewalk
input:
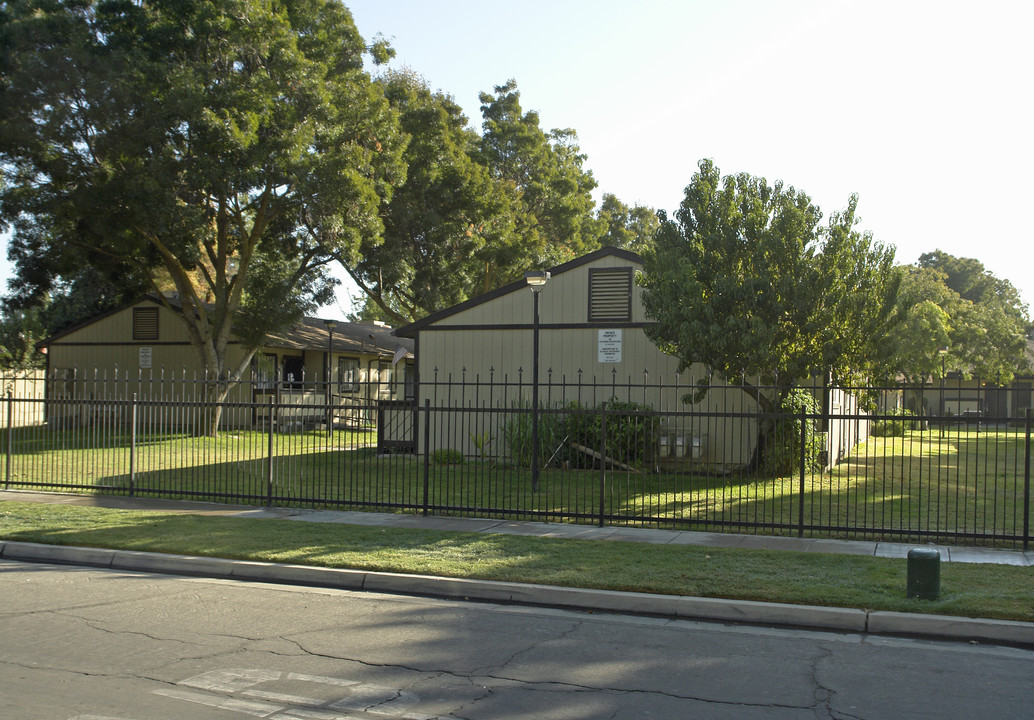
(949, 553)
(735, 611)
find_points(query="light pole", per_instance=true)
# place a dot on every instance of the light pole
(942, 352)
(331, 324)
(536, 279)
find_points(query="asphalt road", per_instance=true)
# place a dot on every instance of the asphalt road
(95, 644)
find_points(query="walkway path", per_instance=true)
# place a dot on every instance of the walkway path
(949, 553)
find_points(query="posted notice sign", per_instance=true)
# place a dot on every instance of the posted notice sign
(145, 357)
(609, 346)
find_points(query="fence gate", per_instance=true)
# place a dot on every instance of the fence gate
(396, 426)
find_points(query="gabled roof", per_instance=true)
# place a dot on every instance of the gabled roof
(367, 338)
(411, 330)
(310, 333)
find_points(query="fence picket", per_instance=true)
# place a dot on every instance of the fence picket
(953, 473)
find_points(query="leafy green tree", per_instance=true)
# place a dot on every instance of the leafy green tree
(552, 189)
(20, 330)
(921, 328)
(449, 229)
(989, 320)
(632, 228)
(186, 143)
(749, 282)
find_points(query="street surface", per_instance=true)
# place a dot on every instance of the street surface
(88, 644)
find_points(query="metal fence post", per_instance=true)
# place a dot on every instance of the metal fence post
(1026, 486)
(803, 463)
(269, 451)
(427, 454)
(132, 448)
(603, 464)
(10, 439)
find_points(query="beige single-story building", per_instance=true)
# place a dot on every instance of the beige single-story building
(592, 348)
(144, 349)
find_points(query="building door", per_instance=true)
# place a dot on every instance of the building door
(294, 371)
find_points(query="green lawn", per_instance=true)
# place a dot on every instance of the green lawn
(926, 485)
(991, 591)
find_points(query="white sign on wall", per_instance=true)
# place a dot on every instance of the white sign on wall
(610, 346)
(145, 357)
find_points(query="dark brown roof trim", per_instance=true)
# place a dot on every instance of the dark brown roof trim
(415, 327)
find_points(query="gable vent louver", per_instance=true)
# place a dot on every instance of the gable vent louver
(610, 294)
(145, 323)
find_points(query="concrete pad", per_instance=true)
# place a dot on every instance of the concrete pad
(327, 516)
(900, 550)
(775, 542)
(172, 564)
(951, 627)
(988, 555)
(64, 554)
(573, 532)
(762, 613)
(267, 513)
(644, 535)
(579, 532)
(457, 524)
(720, 540)
(693, 537)
(348, 517)
(298, 574)
(843, 547)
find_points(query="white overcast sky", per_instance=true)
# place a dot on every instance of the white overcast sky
(923, 108)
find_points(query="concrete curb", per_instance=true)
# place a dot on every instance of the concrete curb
(674, 606)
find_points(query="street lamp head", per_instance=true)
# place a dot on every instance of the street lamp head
(942, 351)
(536, 278)
(331, 324)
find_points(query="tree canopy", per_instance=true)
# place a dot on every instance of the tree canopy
(449, 229)
(632, 228)
(545, 172)
(956, 305)
(748, 281)
(224, 150)
(477, 210)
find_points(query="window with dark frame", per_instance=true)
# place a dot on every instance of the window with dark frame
(348, 374)
(386, 379)
(610, 294)
(145, 323)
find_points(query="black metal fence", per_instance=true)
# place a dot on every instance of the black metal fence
(946, 463)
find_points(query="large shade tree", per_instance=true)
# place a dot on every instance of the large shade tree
(223, 150)
(632, 228)
(952, 314)
(989, 324)
(544, 170)
(449, 229)
(749, 281)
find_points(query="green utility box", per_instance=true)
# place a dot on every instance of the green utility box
(924, 573)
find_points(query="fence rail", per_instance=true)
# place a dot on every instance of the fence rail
(632, 453)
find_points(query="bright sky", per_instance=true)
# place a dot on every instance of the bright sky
(921, 107)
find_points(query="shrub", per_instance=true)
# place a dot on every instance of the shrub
(517, 434)
(895, 426)
(783, 447)
(630, 433)
(447, 456)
